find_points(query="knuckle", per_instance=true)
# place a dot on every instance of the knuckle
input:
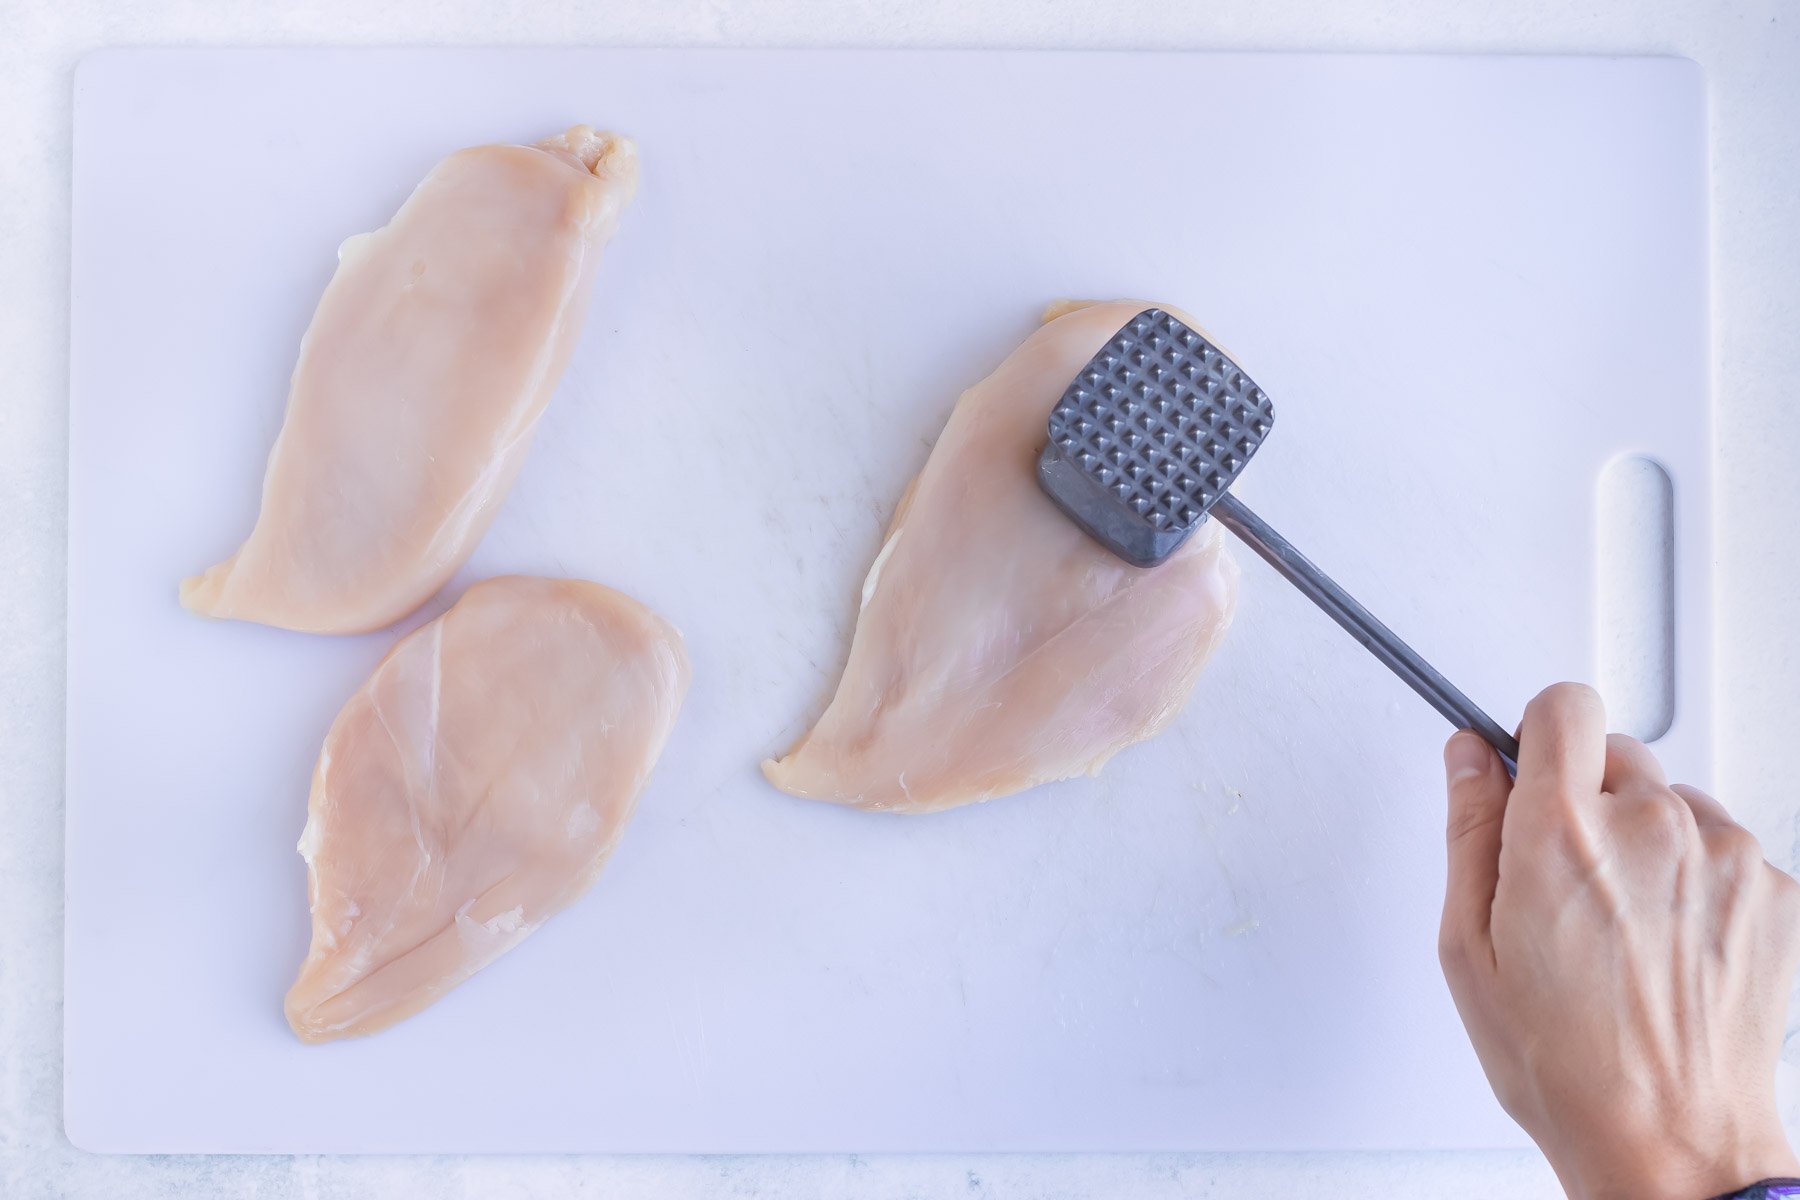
(1663, 825)
(1623, 744)
(1738, 847)
(1673, 822)
(1630, 763)
(1693, 797)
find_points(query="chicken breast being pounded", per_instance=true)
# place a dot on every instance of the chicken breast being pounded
(473, 787)
(430, 358)
(998, 646)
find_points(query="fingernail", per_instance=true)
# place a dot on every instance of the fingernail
(1466, 756)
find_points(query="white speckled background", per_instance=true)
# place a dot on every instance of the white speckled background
(1751, 54)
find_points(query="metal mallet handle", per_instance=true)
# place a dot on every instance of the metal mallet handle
(1381, 641)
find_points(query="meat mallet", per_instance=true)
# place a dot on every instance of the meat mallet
(1145, 445)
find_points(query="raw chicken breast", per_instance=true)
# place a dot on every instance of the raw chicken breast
(428, 362)
(474, 786)
(998, 646)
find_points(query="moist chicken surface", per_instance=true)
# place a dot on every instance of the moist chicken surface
(473, 787)
(429, 359)
(998, 646)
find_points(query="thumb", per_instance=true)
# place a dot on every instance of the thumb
(1478, 786)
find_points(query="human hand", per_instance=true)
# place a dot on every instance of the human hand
(1621, 956)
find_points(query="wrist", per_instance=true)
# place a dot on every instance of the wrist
(1776, 1188)
(1663, 1169)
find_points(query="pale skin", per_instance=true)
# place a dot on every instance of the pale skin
(1621, 954)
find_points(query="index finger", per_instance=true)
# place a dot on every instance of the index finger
(1562, 740)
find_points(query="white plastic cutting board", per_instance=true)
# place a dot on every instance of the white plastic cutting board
(1468, 284)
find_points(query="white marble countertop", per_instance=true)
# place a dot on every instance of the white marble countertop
(1750, 50)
